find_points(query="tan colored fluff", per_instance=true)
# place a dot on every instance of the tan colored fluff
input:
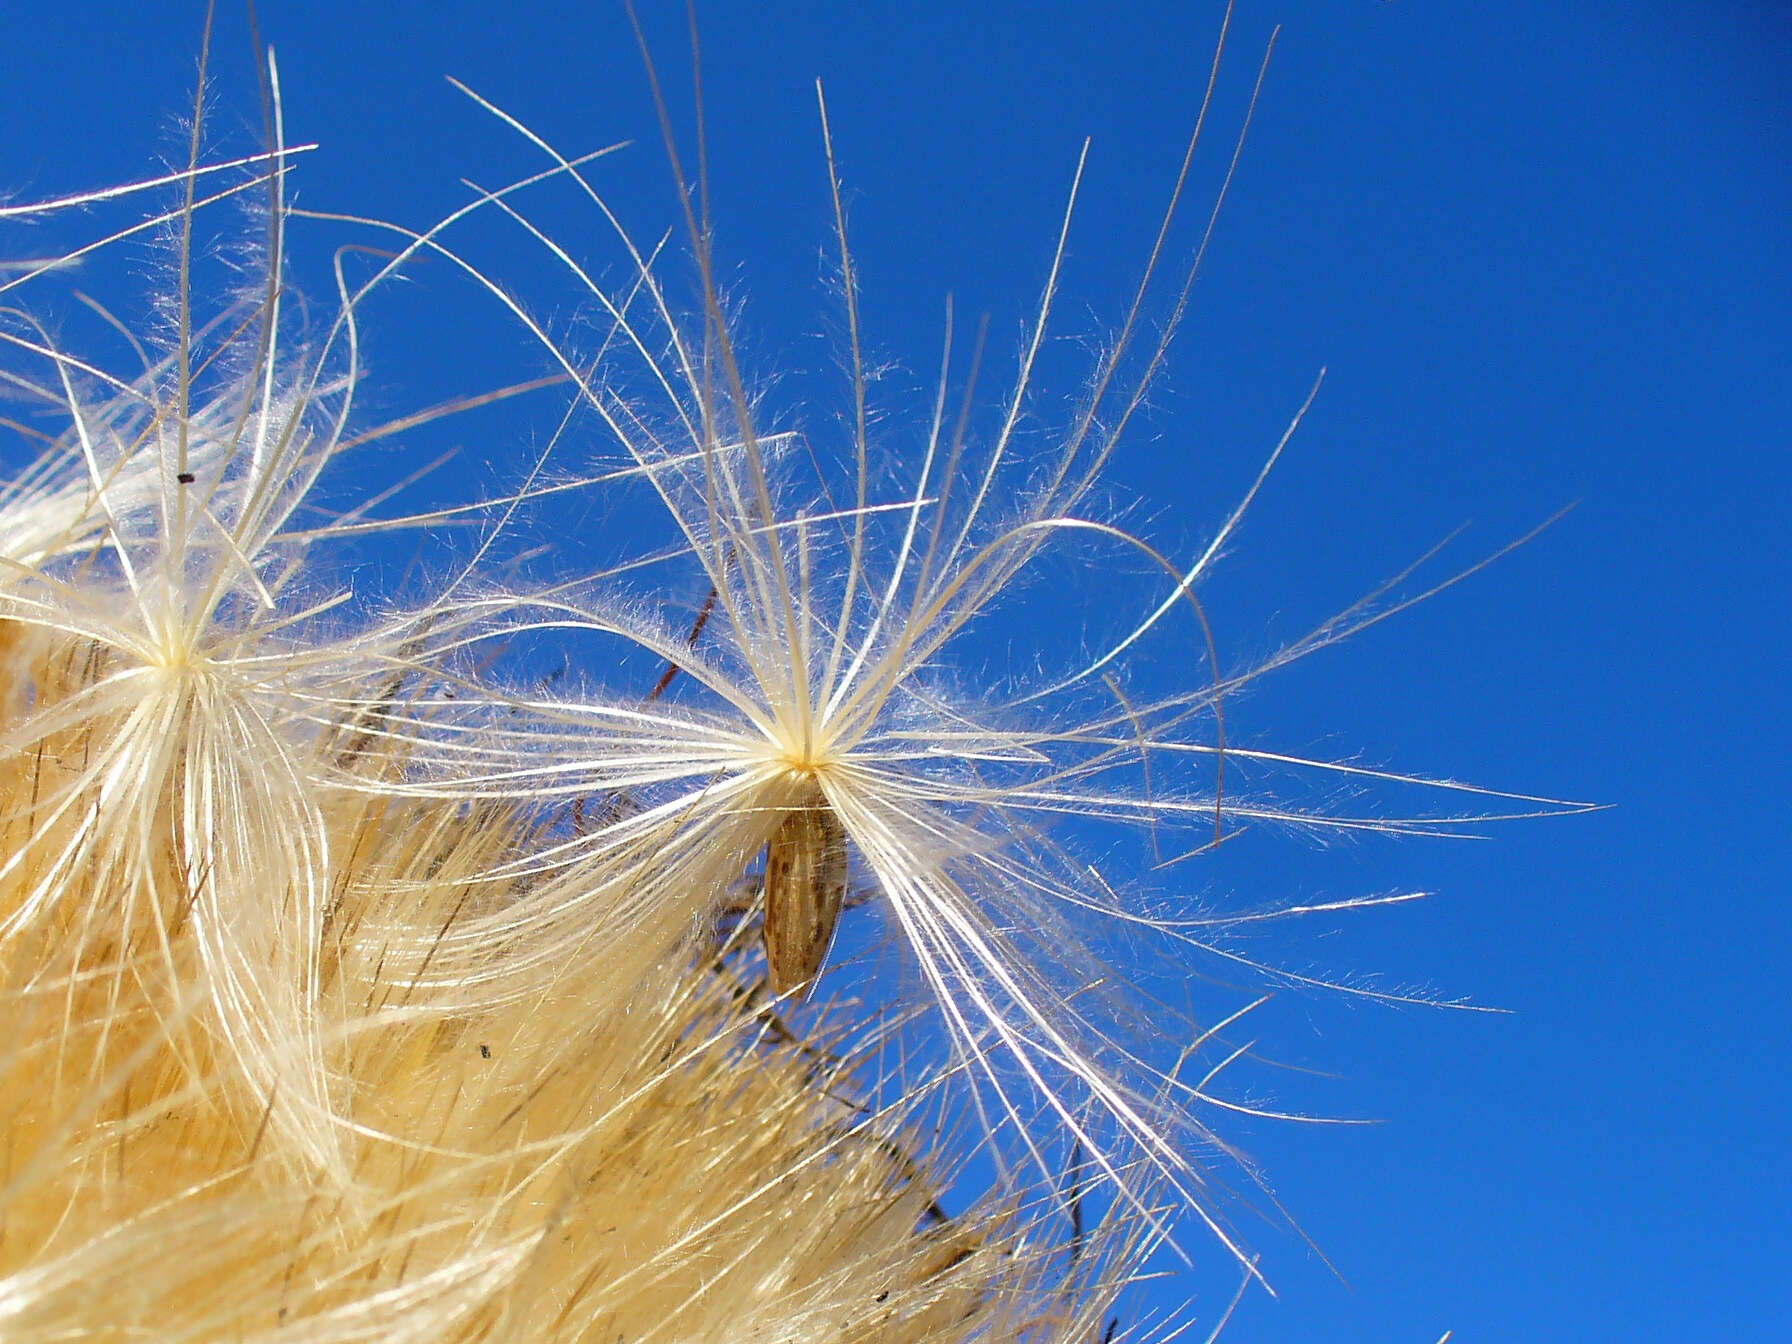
(633, 1152)
(284, 1056)
(353, 993)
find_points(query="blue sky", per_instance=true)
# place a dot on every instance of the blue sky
(1543, 257)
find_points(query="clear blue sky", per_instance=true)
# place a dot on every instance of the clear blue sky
(1543, 251)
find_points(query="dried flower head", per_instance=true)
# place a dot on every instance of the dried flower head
(376, 983)
(836, 725)
(168, 634)
(290, 1053)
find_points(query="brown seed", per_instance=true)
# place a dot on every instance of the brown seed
(805, 883)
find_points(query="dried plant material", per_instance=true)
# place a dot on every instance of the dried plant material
(1012, 826)
(562, 1168)
(364, 985)
(805, 884)
(288, 1055)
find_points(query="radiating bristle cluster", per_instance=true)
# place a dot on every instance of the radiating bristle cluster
(634, 1151)
(315, 1032)
(360, 986)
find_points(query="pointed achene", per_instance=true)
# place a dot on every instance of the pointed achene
(805, 885)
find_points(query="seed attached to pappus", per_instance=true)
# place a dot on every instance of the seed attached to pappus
(805, 884)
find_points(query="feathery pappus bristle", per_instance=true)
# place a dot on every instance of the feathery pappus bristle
(831, 725)
(369, 985)
(288, 1054)
(640, 1154)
